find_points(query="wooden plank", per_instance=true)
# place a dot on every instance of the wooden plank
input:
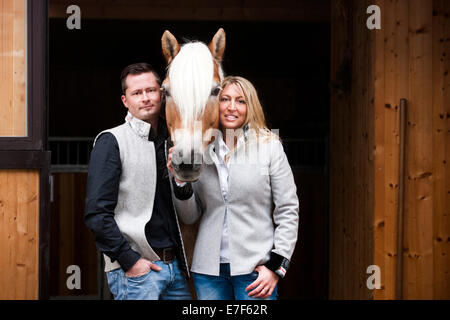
(368, 188)
(395, 74)
(340, 100)
(419, 160)
(356, 164)
(391, 149)
(362, 213)
(347, 255)
(188, 3)
(379, 152)
(337, 49)
(401, 85)
(441, 149)
(19, 232)
(312, 11)
(12, 68)
(19, 69)
(351, 161)
(446, 175)
(6, 63)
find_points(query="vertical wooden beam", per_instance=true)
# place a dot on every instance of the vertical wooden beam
(351, 160)
(379, 151)
(396, 88)
(12, 68)
(361, 210)
(340, 22)
(419, 159)
(368, 154)
(401, 200)
(19, 69)
(19, 235)
(446, 175)
(441, 149)
(391, 86)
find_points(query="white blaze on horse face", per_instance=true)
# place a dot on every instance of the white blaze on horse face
(191, 75)
(188, 142)
(191, 79)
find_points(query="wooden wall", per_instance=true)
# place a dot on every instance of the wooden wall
(19, 189)
(440, 115)
(412, 51)
(351, 160)
(408, 58)
(12, 68)
(19, 234)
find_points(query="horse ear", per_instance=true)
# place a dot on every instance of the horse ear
(217, 45)
(170, 46)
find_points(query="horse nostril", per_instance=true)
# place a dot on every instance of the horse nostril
(185, 167)
(196, 158)
(175, 165)
(177, 158)
(191, 162)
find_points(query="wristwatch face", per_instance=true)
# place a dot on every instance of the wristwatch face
(281, 271)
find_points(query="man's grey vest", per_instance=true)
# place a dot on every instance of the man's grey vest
(136, 188)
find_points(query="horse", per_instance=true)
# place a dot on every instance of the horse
(191, 87)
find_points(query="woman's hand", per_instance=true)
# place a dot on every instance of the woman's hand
(169, 161)
(169, 165)
(264, 285)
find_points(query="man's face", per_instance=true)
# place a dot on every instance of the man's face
(143, 96)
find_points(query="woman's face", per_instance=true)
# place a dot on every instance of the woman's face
(232, 107)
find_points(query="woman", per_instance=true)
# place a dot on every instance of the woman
(246, 198)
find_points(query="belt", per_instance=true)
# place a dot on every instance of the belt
(167, 255)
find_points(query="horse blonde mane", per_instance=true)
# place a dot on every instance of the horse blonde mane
(191, 76)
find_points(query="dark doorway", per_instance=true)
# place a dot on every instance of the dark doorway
(289, 63)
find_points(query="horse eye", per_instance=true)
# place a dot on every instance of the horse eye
(165, 91)
(215, 91)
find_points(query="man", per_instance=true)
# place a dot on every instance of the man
(129, 201)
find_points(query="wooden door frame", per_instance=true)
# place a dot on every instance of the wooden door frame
(36, 160)
(37, 48)
(30, 152)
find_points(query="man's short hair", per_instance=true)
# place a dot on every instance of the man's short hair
(136, 69)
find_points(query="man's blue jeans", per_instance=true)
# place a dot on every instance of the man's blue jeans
(226, 287)
(167, 284)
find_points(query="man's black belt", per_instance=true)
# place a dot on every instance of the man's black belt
(167, 255)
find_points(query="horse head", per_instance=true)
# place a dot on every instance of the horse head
(191, 87)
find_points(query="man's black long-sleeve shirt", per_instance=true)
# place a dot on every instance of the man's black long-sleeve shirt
(102, 192)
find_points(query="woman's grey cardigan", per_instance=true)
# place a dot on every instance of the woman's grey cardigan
(262, 209)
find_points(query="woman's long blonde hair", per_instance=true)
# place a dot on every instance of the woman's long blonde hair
(255, 115)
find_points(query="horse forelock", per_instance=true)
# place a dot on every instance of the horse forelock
(191, 75)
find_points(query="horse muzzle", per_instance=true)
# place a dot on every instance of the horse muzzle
(187, 167)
